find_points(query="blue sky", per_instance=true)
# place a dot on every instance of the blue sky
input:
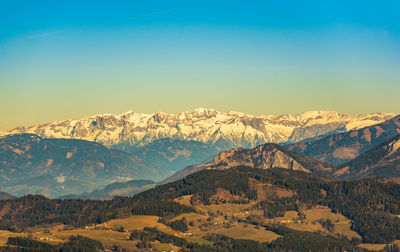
(68, 59)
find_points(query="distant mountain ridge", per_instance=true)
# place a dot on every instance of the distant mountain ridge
(55, 167)
(5, 196)
(30, 164)
(265, 156)
(170, 142)
(340, 148)
(226, 130)
(382, 160)
(128, 188)
(173, 155)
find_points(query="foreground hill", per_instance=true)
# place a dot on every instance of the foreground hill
(340, 148)
(279, 207)
(54, 167)
(264, 157)
(382, 160)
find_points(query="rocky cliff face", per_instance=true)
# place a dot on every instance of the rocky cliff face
(263, 157)
(226, 130)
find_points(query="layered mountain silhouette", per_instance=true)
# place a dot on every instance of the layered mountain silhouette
(264, 157)
(56, 167)
(340, 148)
(382, 160)
(171, 142)
(5, 196)
(30, 164)
(169, 155)
(128, 188)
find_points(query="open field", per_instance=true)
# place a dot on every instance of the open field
(137, 222)
(164, 246)
(191, 217)
(221, 219)
(342, 224)
(110, 238)
(106, 234)
(245, 231)
(288, 220)
(61, 233)
(368, 246)
(215, 218)
(4, 234)
(310, 223)
(229, 226)
(184, 200)
(239, 211)
(376, 247)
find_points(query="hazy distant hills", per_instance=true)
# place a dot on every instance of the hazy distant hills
(33, 165)
(265, 156)
(170, 156)
(340, 148)
(382, 160)
(128, 188)
(5, 196)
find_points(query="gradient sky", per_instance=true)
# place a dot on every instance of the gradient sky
(68, 59)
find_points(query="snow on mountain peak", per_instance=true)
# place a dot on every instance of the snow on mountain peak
(231, 129)
(200, 110)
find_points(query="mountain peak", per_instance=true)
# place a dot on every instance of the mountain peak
(264, 156)
(232, 129)
(202, 110)
(318, 114)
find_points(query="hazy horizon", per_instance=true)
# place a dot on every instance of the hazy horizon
(68, 59)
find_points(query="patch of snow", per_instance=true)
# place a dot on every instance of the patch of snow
(204, 125)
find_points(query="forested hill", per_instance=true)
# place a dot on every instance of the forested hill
(370, 203)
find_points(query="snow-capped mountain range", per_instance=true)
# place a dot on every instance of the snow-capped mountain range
(231, 129)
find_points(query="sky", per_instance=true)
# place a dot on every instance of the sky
(69, 59)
